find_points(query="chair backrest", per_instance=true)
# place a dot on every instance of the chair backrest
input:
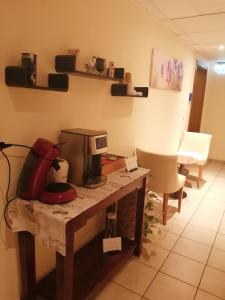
(196, 142)
(164, 174)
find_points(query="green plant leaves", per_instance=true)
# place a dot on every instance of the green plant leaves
(149, 220)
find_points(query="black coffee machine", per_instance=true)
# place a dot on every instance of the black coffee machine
(83, 149)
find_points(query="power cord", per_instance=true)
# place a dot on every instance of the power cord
(8, 201)
(4, 146)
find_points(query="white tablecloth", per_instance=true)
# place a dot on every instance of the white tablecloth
(48, 222)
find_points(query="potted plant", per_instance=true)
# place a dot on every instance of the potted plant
(149, 219)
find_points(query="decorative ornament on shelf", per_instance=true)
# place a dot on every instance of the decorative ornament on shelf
(74, 52)
(111, 70)
(90, 65)
(95, 64)
(29, 62)
(130, 89)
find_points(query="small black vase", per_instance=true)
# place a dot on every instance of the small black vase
(100, 64)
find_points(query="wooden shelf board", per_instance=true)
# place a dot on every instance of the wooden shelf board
(91, 267)
(87, 74)
(134, 96)
(38, 87)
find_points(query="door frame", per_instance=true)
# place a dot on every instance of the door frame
(198, 94)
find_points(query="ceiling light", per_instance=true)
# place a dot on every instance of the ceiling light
(221, 47)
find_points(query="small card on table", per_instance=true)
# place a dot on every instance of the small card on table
(131, 163)
(112, 244)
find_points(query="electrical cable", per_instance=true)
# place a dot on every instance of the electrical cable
(9, 175)
(8, 201)
(4, 146)
(6, 211)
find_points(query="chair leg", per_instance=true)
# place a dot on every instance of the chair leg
(200, 168)
(180, 197)
(165, 206)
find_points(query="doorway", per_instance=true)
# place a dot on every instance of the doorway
(198, 94)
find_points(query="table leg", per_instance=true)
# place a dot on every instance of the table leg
(65, 270)
(27, 264)
(139, 218)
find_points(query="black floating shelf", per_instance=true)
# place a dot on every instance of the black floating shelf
(121, 90)
(16, 76)
(67, 64)
(38, 87)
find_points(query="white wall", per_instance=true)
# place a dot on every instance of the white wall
(116, 30)
(214, 111)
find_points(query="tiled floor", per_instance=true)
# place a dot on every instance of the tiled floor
(187, 260)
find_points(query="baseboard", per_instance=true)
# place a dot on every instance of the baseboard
(216, 160)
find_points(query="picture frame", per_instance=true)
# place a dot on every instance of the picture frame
(165, 72)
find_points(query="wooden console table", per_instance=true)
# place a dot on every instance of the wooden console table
(75, 274)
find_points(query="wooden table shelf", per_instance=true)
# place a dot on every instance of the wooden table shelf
(90, 267)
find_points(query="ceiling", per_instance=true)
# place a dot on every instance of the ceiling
(199, 23)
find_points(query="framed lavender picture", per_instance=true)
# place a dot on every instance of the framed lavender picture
(166, 72)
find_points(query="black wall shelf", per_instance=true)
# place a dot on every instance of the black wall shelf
(38, 87)
(67, 64)
(121, 90)
(87, 74)
(19, 76)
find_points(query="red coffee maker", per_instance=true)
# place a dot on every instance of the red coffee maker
(33, 177)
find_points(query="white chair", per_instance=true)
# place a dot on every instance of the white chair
(194, 149)
(164, 177)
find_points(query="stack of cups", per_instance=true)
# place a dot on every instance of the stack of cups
(61, 174)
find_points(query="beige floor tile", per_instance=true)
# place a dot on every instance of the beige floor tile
(166, 240)
(135, 276)
(218, 189)
(165, 287)
(220, 242)
(213, 282)
(221, 175)
(205, 222)
(214, 203)
(217, 259)
(153, 256)
(189, 206)
(184, 215)
(201, 295)
(205, 184)
(191, 249)
(215, 196)
(199, 234)
(210, 212)
(220, 180)
(183, 268)
(173, 226)
(192, 197)
(218, 185)
(221, 229)
(114, 291)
